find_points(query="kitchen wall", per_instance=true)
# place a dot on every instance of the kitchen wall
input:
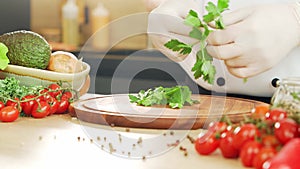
(14, 15)
(46, 19)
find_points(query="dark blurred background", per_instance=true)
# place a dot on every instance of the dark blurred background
(14, 15)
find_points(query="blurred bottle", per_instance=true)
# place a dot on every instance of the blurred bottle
(70, 23)
(100, 17)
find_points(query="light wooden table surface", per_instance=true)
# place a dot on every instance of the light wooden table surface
(60, 141)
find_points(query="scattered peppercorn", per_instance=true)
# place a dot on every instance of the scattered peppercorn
(191, 139)
(140, 140)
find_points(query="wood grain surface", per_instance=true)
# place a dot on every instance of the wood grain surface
(116, 110)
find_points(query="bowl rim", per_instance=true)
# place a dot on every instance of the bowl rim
(46, 74)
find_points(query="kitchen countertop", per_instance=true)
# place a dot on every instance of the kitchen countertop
(60, 141)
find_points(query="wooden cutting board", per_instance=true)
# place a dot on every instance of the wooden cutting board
(116, 110)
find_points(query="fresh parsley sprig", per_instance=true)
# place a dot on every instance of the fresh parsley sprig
(203, 67)
(10, 88)
(175, 97)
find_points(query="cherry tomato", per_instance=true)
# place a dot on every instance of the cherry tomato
(40, 109)
(285, 130)
(270, 141)
(206, 144)
(13, 103)
(9, 114)
(276, 115)
(27, 106)
(287, 158)
(243, 134)
(66, 95)
(63, 106)
(219, 127)
(45, 95)
(260, 111)
(54, 90)
(264, 154)
(226, 145)
(249, 150)
(2, 105)
(54, 104)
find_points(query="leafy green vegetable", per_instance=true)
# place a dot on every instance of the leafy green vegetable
(296, 96)
(10, 88)
(175, 97)
(4, 61)
(175, 45)
(203, 66)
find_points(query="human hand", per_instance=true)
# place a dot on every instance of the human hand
(255, 38)
(152, 4)
(166, 22)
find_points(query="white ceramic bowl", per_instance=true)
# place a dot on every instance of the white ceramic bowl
(31, 76)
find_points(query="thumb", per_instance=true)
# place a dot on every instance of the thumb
(234, 17)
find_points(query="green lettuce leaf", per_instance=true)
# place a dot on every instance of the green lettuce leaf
(4, 61)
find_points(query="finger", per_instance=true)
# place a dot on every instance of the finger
(233, 22)
(234, 17)
(225, 52)
(243, 72)
(159, 41)
(163, 23)
(237, 62)
(222, 37)
(178, 8)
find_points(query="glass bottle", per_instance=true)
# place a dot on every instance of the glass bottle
(70, 23)
(287, 95)
(100, 19)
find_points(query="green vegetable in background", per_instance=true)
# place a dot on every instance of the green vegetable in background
(175, 97)
(203, 66)
(27, 49)
(10, 88)
(4, 61)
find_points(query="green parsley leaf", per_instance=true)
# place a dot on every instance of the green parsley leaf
(178, 46)
(296, 96)
(4, 61)
(10, 88)
(206, 67)
(196, 33)
(212, 8)
(212, 14)
(175, 97)
(192, 19)
(211, 75)
(219, 23)
(206, 32)
(133, 98)
(203, 68)
(223, 5)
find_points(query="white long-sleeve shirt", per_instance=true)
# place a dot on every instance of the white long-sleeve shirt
(260, 85)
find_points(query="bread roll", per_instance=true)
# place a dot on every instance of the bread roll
(64, 62)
